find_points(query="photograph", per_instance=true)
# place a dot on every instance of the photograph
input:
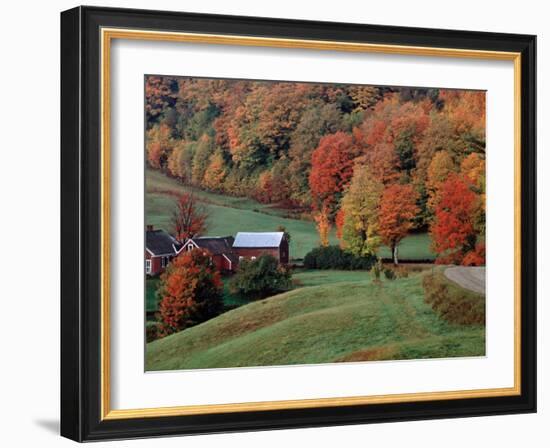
(337, 219)
(300, 223)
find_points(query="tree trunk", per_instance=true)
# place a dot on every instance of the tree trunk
(394, 254)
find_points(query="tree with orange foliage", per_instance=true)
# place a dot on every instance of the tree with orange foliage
(395, 218)
(190, 291)
(465, 110)
(215, 172)
(331, 170)
(473, 167)
(323, 226)
(159, 145)
(340, 220)
(261, 127)
(189, 217)
(438, 171)
(453, 231)
(265, 187)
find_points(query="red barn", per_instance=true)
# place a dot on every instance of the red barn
(253, 244)
(160, 249)
(220, 247)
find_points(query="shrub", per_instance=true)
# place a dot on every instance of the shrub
(334, 257)
(154, 331)
(377, 270)
(389, 273)
(453, 303)
(401, 272)
(260, 278)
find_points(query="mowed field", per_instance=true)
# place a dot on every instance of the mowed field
(335, 321)
(229, 215)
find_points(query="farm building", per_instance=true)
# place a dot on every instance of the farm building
(220, 247)
(160, 249)
(253, 244)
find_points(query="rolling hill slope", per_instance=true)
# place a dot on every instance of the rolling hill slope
(348, 321)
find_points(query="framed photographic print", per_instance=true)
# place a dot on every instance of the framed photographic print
(275, 224)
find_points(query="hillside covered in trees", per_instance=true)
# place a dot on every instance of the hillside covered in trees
(374, 162)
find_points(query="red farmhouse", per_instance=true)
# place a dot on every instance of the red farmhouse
(160, 249)
(220, 247)
(253, 244)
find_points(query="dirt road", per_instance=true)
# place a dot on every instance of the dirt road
(472, 278)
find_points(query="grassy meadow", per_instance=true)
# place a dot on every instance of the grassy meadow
(300, 278)
(229, 215)
(344, 317)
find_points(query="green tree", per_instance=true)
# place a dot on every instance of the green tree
(361, 207)
(184, 161)
(263, 277)
(201, 159)
(404, 147)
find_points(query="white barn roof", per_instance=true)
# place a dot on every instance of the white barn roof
(258, 239)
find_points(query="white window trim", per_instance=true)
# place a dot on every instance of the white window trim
(148, 266)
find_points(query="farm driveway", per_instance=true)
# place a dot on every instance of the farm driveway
(472, 278)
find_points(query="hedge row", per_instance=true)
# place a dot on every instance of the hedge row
(333, 257)
(453, 303)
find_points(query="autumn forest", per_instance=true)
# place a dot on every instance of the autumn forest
(373, 163)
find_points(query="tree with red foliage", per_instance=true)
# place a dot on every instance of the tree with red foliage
(475, 257)
(190, 291)
(189, 218)
(396, 216)
(331, 170)
(390, 135)
(453, 231)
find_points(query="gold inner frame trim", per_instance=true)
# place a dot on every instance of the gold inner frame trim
(107, 35)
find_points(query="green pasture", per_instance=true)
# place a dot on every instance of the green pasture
(355, 320)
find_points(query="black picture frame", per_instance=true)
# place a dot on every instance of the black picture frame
(81, 224)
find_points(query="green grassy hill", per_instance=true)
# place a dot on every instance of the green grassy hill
(300, 278)
(229, 215)
(346, 321)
